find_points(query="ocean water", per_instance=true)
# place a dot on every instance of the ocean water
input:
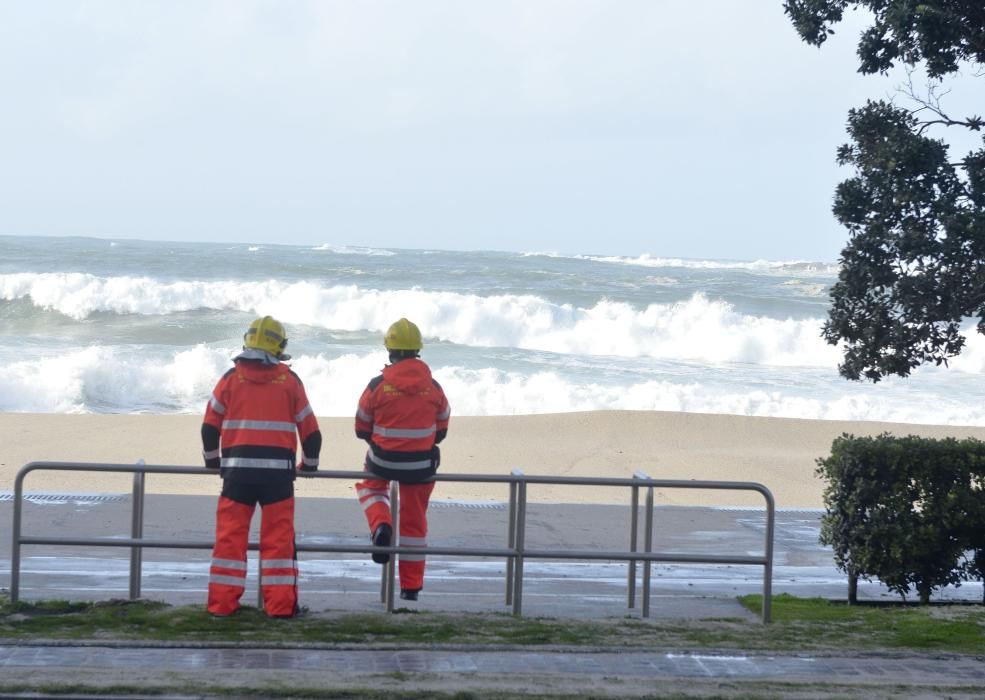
(122, 326)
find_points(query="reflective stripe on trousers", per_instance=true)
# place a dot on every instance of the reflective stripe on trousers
(278, 572)
(230, 572)
(370, 492)
(407, 541)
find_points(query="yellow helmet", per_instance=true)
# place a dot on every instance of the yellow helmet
(266, 334)
(403, 335)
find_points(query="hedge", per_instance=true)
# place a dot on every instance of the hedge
(909, 511)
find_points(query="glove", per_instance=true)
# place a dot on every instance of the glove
(212, 463)
(308, 467)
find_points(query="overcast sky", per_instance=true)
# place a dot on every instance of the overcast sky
(701, 129)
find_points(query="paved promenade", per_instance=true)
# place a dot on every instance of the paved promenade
(582, 672)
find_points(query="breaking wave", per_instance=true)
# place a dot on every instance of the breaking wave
(698, 328)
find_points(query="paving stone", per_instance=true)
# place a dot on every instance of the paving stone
(624, 664)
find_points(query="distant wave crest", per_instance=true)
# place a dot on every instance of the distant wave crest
(353, 250)
(646, 260)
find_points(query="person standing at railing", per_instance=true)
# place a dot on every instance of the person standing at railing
(250, 433)
(403, 414)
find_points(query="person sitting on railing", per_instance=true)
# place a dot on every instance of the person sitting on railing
(402, 414)
(256, 412)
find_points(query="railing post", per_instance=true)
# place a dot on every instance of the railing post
(648, 548)
(384, 580)
(137, 530)
(511, 536)
(259, 577)
(634, 520)
(391, 565)
(521, 527)
(15, 545)
(768, 567)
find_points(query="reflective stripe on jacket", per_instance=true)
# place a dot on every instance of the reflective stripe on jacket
(403, 413)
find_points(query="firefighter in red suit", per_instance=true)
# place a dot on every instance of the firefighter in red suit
(250, 433)
(403, 415)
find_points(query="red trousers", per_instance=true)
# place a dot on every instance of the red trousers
(278, 562)
(374, 496)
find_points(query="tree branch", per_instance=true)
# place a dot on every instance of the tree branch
(932, 103)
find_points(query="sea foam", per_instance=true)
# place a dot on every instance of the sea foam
(107, 379)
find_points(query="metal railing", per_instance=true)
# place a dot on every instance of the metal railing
(515, 552)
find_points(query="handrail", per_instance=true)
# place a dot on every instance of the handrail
(515, 552)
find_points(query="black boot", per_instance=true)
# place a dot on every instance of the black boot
(409, 593)
(381, 538)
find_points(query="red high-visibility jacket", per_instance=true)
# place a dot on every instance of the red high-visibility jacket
(258, 411)
(403, 414)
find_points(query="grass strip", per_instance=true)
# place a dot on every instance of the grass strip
(800, 624)
(958, 628)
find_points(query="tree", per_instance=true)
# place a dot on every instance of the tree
(913, 270)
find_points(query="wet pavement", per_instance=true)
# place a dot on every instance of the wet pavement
(571, 589)
(184, 664)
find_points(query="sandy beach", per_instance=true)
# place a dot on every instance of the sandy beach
(779, 453)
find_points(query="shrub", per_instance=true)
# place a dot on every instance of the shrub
(906, 510)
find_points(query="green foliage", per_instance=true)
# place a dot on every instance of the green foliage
(914, 267)
(943, 33)
(905, 510)
(952, 628)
